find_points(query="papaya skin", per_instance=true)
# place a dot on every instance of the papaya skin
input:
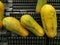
(39, 5)
(2, 8)
(49, 20)
(13, 25)
(28, 22)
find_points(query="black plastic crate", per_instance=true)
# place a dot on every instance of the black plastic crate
(17, 8)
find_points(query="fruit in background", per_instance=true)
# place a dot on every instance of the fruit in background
(1, 10)
(13, 25)
(28, 22)
(39, 5)
(49, 20)
(1, 24)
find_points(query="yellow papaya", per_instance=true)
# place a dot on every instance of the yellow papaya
(13, 25)
(49, 20)
(28, 22)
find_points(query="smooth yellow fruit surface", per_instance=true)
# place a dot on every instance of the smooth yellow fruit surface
(49, 20)
(39, 5)
(1, 10)
(28, 22)
(13, 25)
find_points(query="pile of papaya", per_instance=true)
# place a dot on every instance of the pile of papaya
(27, 22)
